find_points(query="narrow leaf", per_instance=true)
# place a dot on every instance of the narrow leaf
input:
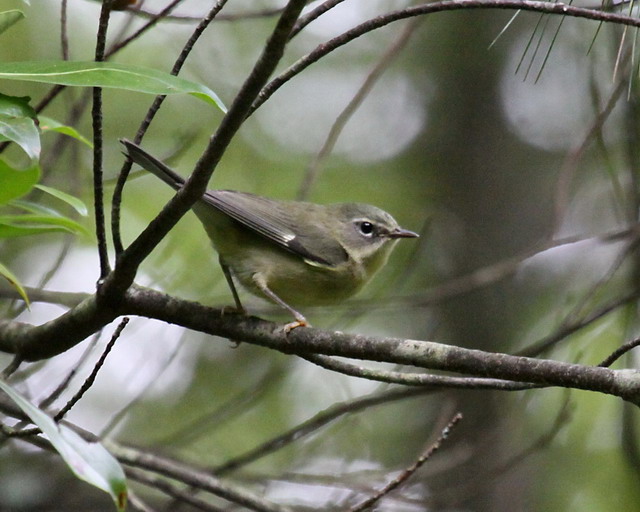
(9, 18)
(23, 131)
(106, 74)
(90, 462)
(35, 220)
(18, 124)
(504, 29)
(51, 125)
(14, 231)
(72, 201)
(553, 41)
(529, 43)
(13, 281)
(17, 106)
(15, 183)
(32, 207)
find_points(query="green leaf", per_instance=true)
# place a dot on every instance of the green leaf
(106, 74)
(13, 281)
(18, 124)
(9, 18)
(90, 462)
(17, 106)
(32, 207)
(51, 125)
(37, 222)
(23, 131)
(14, 182)
(72, 201)
(14, 231)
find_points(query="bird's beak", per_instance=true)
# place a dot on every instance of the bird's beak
(402, 233)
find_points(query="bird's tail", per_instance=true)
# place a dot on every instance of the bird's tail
(152, 164)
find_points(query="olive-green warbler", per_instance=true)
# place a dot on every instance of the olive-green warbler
(291, 252)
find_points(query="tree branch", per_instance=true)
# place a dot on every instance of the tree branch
(96, 119)
(408, 472)
(314, 424)
(193, 477)
(39, 342)
(431, 8)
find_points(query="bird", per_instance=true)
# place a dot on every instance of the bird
(293, 253)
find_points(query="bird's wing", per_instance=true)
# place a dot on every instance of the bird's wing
(274, 222)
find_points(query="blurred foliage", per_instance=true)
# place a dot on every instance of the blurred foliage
(452, 140)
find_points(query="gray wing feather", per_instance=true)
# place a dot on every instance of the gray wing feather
(266, 217)
(273, 221)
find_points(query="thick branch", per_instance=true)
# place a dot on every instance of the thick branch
(54, 337)
(33, 343)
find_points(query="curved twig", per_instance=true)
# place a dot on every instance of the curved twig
(431, 8)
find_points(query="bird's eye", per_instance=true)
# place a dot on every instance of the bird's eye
(366, 228)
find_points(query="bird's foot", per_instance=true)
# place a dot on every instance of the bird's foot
(293, 325)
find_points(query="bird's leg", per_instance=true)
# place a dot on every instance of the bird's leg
(301, 321)
(232, 286)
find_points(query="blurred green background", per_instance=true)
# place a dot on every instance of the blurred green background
(462, 142)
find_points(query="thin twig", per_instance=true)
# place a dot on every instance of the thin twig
(577, 309)
(68, 299)
(313, 15)
(501, 269)
(549, 341)
(313, 424)
(195, 478)
(570, 165)
(83, 389)
(544, 22)
(427, 380)
(343, 118)
(96, 120)
(458, 494)
(408, 472)
(175, 470)
(117, 417)
(64, 38)
(137, 504)
(12, 367)
(185, 18)
(431, 8)
(165, 487)
(46, 402)
(214, 419)
(551, 44)
(92, 376)
(528, 45)
(619, 352)
(150, 24)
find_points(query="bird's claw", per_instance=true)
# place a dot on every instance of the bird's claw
(293, 325)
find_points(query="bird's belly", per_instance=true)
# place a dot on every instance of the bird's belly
(293, 280)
